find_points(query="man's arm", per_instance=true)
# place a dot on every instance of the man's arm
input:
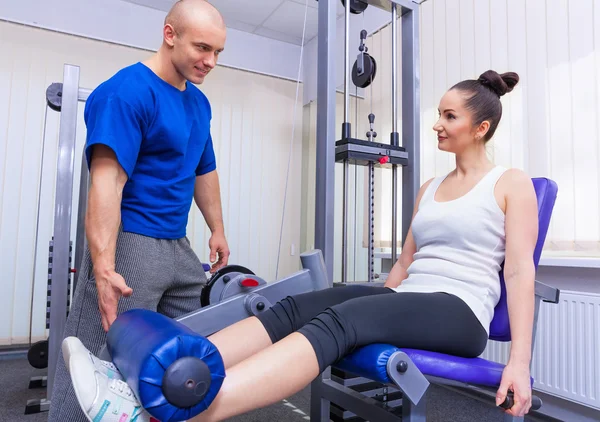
(207, 194)
(103, 218)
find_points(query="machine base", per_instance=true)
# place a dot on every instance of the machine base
(37, 406)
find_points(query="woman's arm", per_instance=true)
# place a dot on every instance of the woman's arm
(398, 272)
(521, 228)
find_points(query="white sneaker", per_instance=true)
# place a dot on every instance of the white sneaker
(73, 346)
(103, 399)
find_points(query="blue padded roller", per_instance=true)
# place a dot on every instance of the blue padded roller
(174, 372)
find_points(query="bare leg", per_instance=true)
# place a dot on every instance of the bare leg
(227, 341)
(256, 382)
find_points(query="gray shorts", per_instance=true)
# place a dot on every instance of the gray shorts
(166, 276)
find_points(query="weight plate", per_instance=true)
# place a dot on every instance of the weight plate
(205, 295)
(38, 354)
(356, 6)
(365, 79)
(54, 96)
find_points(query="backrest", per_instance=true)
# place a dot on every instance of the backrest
(546, 191)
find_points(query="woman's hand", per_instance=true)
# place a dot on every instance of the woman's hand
(516, 378)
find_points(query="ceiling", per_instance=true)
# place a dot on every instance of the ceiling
(282, 20)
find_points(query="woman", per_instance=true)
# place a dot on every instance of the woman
(439, 296)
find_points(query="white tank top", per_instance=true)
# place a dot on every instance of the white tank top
(460, 246)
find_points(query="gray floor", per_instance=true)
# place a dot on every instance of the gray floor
(442, 405)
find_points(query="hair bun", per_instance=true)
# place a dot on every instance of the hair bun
(499, 83)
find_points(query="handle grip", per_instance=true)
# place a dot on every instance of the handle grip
(509, 402)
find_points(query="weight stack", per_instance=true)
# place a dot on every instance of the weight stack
(49, 290)
(389, 397)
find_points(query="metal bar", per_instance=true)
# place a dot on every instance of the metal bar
(345, 221)
(80, 239)
(320, 407)
(536, 313)
(394, 69)
(412, 412)
(412, 382)
(371, 221)
(346, 62)
(394, 138)
(62, 217)
(411, 136)
(362, 406)
(84, 93)
(325, 148)
(547, 293)
(406, 5)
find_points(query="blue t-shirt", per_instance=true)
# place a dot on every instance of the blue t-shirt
(161, 137)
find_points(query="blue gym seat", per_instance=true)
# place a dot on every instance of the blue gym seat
(411, 371)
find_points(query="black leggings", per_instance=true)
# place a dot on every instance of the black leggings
(338, 320)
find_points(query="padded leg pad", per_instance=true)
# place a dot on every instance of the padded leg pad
(174, 372)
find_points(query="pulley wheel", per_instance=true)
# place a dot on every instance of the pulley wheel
(216, 277)
(356, 6)
(38, 354)
(368, 74)
(54, 96)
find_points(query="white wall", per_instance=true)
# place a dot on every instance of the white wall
(136, 26)
(550, 120)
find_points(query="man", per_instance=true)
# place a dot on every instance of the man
(149, 152)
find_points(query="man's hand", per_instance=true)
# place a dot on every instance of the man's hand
(218, 247)
(516, 378)
(111, 286)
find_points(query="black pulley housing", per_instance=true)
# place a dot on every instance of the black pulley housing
(356, 6)
(367, 76)
(38, 354)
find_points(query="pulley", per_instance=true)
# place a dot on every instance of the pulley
(54, 96)
(356, 6)
(365, 66)
(228, 281)
(363, 74)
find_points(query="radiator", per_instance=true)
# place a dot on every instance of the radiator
(566, 359)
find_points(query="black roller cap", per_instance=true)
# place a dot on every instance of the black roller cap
(186, 382)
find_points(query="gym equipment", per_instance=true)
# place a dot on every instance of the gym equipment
(365, 66)
(228, 281)
(361, 152)
(38, 352)
(165, 348)
(411, 371)
(356, 6)
(176, 373)
(54, 96)
(248, 298)
(401, 376)
(64, 98)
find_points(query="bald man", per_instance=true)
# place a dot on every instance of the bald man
(150, 152)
